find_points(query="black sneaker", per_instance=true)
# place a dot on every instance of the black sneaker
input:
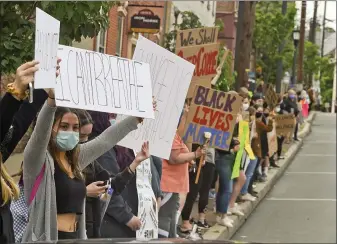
(204, 225)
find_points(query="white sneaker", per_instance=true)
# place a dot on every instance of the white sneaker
(236, 211)
(224, 221)
(248, 197)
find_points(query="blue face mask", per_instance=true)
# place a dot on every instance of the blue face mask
(67, 140)
(112, 121)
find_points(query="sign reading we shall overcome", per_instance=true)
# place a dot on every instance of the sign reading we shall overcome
(199, 46)
(285, 124)
(171, 77)
(215, 112)
(100, 82)
(47, 32)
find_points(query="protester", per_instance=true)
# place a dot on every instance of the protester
(280, 138)
(15, 120)
(257, 141)
(289, 105)
(122, 210)
(247, 189)
(95, 178)
(202, 188)
(175, 180)
(55, 139)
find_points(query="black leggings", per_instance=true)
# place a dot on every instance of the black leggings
(203, 187)
(279, 145)
(296, 130)
(67, 235)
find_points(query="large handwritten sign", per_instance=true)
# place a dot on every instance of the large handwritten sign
(212, 111)
(171, 77)
(196, 37)
(47, 32)
(285, 124)
(100, 82)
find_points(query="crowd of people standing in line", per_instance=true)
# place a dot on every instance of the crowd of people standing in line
(72, 153)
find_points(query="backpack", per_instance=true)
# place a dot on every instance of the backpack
(19, 208)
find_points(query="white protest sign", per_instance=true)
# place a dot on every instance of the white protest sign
(147, 203)
(47, 32)
(171, 77)
(95, 81)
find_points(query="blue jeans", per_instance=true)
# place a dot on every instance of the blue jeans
(224, 166)
(249, 174)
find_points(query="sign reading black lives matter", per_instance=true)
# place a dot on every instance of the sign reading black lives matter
(145, 22)
(100, 82)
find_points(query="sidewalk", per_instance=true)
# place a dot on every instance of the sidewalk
(217, 232)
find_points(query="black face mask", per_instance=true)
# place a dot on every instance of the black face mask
(266, 115)
(258, 115)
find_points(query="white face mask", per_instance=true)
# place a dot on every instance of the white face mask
(245, 106)
(277, 109)
(112, 121)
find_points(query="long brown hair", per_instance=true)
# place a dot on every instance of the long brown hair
(71, 155)
(9, 189)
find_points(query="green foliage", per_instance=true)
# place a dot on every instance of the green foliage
(271, 28)
(312, 60)
(189, 21)
(327, 73)
(227, 78)
(78, 18)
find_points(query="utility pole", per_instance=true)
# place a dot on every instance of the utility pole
(323, 30)
(244, 38)
(301, 44)
(334, 86)
(279, 71)
(312, 36)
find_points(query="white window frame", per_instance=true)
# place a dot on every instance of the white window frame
(120, 32)
(98, 42)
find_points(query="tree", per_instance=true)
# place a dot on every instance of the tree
(271, 28)
(327, 73)
(78, 18)
(189, 21)
(312, 61)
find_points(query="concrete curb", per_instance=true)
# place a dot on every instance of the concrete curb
(218, 232)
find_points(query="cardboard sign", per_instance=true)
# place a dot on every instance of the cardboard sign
(205, 59)
(271, 97)
(215, 112)
(272, 141)
(147, 203)
(171, 77)
(100, 82)
(47, 33)
(285, 124)
(196, 37)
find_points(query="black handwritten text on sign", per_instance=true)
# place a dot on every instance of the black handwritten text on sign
(95, 81)
(171, 77)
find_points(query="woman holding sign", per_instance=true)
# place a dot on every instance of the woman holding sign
(53, 182)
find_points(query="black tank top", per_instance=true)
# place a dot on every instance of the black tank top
(70, 193)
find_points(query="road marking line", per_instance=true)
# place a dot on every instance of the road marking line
(319, 142)
(312, 173)
(301, 199)
(316, 155)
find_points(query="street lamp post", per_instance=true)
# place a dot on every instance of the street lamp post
(296, 38)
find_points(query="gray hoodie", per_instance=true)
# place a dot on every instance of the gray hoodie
(42, 225)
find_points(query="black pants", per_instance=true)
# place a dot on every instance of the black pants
(67, 235)
(296, 130)
(280, 141)
(254, 178)
(203, 187)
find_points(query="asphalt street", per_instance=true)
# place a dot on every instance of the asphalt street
(301, 208)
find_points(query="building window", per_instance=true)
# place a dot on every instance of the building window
(120, 36)
(101, 41)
